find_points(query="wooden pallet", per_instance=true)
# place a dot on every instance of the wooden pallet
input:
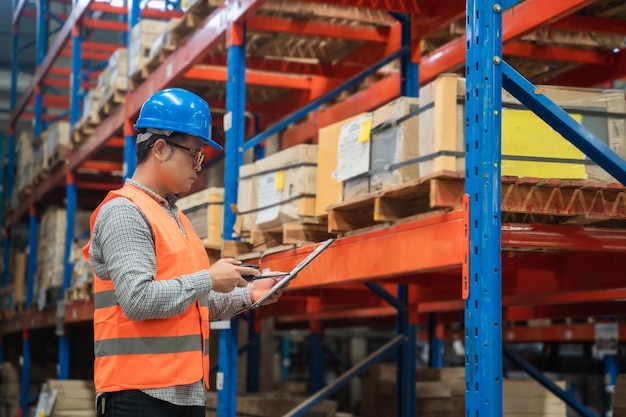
(58, 157)
(291, 234)
(424, 196)
(554, 201)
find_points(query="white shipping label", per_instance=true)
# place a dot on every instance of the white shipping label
(607, 337)
(268, 195)
(353, 152)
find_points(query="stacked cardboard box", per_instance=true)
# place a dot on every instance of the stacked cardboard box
(113, 80)
(413, 138)
(91, 107)
(205, 211)
(142, 37)
(527, 398)
(439, 392)
(57, 143)
(25, 165)
(51, 253)
(442, 136)
(278, 188)
(271, 404)
(10, 389)
(388, 139)
(67, 398)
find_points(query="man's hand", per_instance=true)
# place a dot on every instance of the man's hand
(259, 287)
(226, 274)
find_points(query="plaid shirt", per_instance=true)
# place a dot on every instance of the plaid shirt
(121, 224)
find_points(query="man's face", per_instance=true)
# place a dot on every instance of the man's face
(181, 170)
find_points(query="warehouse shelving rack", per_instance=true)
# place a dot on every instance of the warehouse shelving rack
(392, 272)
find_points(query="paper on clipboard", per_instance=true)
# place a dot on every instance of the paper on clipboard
(292, 274)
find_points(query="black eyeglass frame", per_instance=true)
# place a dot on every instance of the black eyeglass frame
(197, 153)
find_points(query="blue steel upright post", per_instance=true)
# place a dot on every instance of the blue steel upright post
(234, 127)
(71, 196)
(406, 358)
(483, 316)
(31, 267)
(42, 48)
(130, 158)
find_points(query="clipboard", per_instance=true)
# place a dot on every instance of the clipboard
(292, 274)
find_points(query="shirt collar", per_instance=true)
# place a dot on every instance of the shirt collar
(170, 199)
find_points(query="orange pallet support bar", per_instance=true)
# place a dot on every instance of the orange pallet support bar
(380, 254)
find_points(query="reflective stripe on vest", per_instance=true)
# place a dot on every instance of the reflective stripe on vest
(175, 349)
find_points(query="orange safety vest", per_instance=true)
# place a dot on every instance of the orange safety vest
(152, 353)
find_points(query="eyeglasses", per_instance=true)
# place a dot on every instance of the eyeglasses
(197, 153)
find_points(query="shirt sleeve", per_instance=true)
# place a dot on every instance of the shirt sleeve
(126, 254)
(223, 306)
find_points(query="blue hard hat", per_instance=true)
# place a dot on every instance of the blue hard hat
(177, 110)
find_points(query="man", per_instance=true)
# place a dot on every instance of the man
(154, 291)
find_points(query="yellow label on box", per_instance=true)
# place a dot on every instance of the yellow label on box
(280, 180)
(525, 134)
(366, 128)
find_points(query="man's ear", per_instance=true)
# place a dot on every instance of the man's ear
(159, 150)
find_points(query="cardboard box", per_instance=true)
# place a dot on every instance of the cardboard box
(329, 190)
(442, 135)
(142, 37)
(395, 132)
(205, 211)
(285, 187)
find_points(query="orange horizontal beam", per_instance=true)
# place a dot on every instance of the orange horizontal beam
(590, 24)
(265, 79)
(98, 46)
(105, 25)
(102, 166)
(379, 254)
(556, 333)
(317, 28)
(368, 99)
(96, 56)
(147, 12)
(405, 6)
(554, 53)
(65, 83)
(50, 100)
(517, 21)
(116, 142)
(46, 117)
(98, 185)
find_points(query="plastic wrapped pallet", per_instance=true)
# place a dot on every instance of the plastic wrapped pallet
(205, 211)
(530, 147)
(57, 143)
(91, 107)
(278, 188)
(24, 150)
(51, 253)
(142, 36)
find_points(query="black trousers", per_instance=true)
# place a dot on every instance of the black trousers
(134, 403)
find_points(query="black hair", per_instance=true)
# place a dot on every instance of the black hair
(143, 148)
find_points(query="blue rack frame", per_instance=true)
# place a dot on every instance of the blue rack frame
(485, 74)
